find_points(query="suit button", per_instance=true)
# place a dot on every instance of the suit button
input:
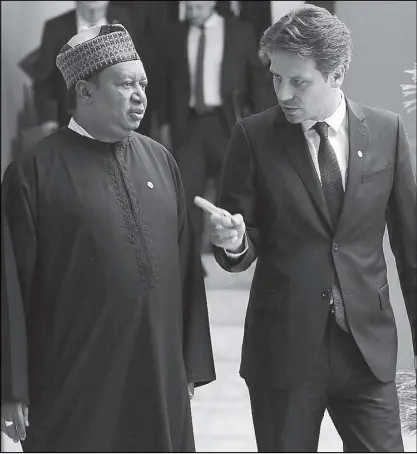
(325, 293)
(335, 246)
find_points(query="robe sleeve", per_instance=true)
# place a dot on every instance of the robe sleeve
(18, 257)
(197, 348)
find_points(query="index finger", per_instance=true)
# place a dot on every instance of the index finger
(207, 206)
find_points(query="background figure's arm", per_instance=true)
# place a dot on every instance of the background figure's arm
(47, 77)
(237, 195)
(261, 90)
(162, 75)
(402, 228)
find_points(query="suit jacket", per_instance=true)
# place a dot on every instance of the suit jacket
(269, 178)
(52, 100)
(243, 86)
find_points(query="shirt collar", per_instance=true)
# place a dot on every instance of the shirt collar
(79, 129)
(335, 120)
(213, 21)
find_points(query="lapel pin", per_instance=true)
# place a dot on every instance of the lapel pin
(150, 184)
(360, 154)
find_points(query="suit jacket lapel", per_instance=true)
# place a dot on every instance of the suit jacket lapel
(296, 147)
(358, 141)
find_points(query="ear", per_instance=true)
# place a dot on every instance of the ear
(338, 76)
(84, 90)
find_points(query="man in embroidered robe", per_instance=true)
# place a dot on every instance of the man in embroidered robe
(103, 299)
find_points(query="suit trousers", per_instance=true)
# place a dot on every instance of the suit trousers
(201, 157)
(364, 410)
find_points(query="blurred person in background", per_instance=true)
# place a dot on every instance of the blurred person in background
(261, 15)
(105, 327)
(312, 184)
(54, 104)
(210, 77)
(176, 10)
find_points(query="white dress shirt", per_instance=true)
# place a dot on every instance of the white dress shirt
(213, 59)
(338, 137)
(81, 22)
(78, 129)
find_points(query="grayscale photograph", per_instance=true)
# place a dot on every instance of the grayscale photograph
(208, 226)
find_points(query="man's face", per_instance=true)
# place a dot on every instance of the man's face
(199, 12)
(118, 100)
(301, 89)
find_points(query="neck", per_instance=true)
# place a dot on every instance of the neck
(91, 15)
(84, 119)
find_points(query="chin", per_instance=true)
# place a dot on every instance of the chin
(132, 125)
(293, 119)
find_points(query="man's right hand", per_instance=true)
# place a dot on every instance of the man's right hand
(14, 420)
(226, 230)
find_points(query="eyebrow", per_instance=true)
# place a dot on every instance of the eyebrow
(131, 76)
(293, 77)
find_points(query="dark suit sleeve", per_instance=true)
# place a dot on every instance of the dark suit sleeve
(162, 74)
(157, 13)
(260, 92)
(47, 76)
(402, 228)
(237, 194)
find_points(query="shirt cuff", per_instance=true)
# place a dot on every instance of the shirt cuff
(236, 255)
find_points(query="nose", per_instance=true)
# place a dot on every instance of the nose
(284, 92)
(139, 93)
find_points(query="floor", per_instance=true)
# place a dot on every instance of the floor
(221, 410)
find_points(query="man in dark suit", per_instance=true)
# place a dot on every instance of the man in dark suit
(312, 184)
(53, 102)
(211, 75)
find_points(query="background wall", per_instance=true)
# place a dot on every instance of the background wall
(384, 45)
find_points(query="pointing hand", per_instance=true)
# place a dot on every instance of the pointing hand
(226, 230)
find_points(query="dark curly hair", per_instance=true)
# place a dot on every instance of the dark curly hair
(310, 32)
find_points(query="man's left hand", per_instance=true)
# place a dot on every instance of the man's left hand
(191, 390)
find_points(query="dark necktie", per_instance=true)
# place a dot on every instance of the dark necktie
(331, 182)
(331, 178)
(200, 105)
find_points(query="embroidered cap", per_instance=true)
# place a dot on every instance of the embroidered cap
(94, 49)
